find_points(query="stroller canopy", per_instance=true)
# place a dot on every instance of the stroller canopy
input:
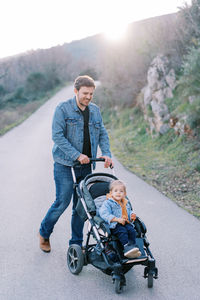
(92, 188)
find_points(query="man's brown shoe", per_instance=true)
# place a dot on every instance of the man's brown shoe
(44, 244)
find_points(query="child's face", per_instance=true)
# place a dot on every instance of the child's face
(118, 192)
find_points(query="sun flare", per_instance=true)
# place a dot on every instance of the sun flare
(116, 31)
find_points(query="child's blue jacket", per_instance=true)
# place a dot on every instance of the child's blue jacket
(110, 209)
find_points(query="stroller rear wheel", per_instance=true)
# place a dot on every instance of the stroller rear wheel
(75, 259)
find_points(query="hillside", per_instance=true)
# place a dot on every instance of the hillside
(28, 77)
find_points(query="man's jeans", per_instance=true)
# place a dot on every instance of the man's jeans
(64, 191)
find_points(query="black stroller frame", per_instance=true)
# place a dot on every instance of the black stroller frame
(95, 252)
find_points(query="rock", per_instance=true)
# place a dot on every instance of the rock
(160, 83)
(171, 79)
(147, 95)
(163, 128)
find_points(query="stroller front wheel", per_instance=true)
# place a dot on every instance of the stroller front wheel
(75, 259)
(118, 286)
(150, 280)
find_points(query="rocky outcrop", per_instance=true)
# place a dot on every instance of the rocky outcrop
(161, 81)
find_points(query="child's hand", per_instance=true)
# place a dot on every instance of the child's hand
(121, 221)
(133, 217)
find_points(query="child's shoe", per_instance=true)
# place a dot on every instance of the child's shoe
(137, 254)
(130, 251)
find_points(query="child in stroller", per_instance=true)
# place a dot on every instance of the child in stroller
(117, 212)
(100, 241)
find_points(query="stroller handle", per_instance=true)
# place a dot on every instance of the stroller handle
(77, 163)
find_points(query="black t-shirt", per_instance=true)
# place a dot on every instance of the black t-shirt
(86, 137)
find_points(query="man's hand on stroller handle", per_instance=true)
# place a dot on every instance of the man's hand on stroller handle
(108, 162)
(84, 159)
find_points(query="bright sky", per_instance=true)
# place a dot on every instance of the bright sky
(33, 24)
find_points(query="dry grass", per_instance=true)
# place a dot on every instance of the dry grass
(13, 116)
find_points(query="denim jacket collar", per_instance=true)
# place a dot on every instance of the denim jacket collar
(74, 104)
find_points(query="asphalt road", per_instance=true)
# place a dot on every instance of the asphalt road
(27, 191)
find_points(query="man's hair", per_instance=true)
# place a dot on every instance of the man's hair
(116, 183)
(84, 80)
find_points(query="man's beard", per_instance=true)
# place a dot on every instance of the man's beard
(83, 104)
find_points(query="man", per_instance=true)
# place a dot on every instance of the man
(77, 131)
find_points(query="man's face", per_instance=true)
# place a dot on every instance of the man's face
(84, 96)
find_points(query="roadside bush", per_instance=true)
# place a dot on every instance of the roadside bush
(197, 168)
(190, 29)
(103, 98)
(35, 84)
(194, 116)
(13, 99)
(189, 82)
(2, 90)
(36, 87)
(52, 80)
(189, 85)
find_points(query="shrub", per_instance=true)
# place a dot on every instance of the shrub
(2, 90)
(52, 80)
(197, 167)
(194, 120)
(189, 27)
(189, 82)
(36, 83)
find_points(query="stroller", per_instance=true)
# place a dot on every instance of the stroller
(102, 249)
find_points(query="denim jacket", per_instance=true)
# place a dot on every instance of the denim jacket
(68, 129)
(110, 209)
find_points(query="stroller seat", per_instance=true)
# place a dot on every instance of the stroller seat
(98, 192)
(95, 190)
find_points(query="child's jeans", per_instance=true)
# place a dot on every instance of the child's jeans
(125, 233)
